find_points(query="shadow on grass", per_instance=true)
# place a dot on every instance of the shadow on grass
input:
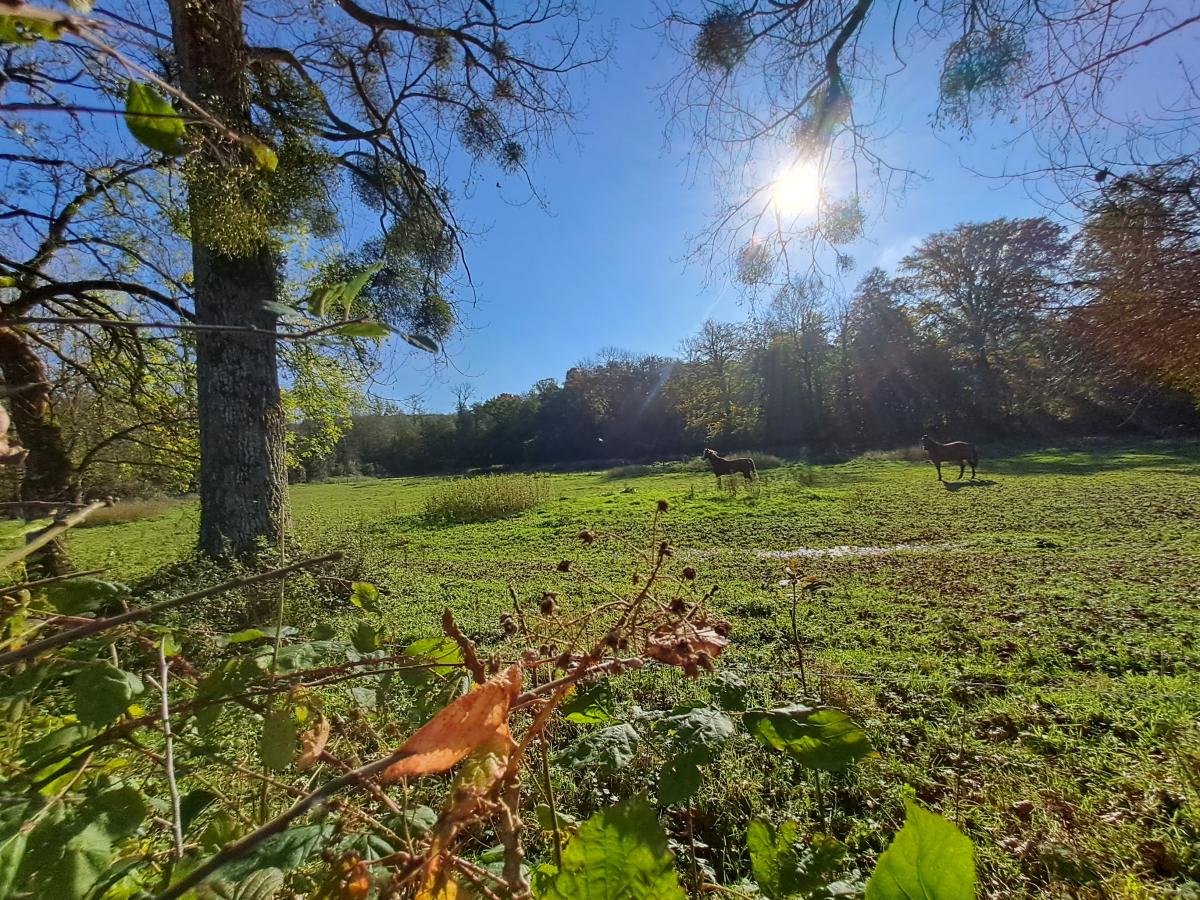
(974, 482)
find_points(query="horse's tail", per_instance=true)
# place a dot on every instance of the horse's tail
(753, 469)
(974, 455)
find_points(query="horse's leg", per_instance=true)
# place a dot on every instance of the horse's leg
(937, 464)
(962, 467)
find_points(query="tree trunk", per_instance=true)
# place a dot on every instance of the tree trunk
(48, 465)
(243, 482)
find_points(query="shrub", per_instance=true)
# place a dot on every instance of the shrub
(131, 511)
(484, 498)
(911, 453)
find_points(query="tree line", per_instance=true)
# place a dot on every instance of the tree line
(988, 330)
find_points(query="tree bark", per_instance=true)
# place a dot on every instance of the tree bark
(48, 465)
(243, 482)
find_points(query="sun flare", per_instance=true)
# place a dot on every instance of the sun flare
(797, 190)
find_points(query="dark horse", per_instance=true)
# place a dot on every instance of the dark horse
(957, 451)
(722, 466)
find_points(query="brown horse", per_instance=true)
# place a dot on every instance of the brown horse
(956, 451)
(722, 466)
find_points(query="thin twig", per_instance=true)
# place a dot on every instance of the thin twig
(176, 816)
(54, 531)
(466, 645)
(54, 579)
(137, 615)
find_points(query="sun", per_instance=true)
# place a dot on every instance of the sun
(797, 190)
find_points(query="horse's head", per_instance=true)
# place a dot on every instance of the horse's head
(925, 440)
(709, 453)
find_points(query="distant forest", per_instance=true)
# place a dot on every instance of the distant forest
(981, 334)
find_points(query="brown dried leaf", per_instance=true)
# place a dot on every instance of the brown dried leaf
(468, 722)
(312, 744)
(690, 645)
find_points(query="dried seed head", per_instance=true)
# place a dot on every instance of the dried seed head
(509, 626)
(689, 573)
(721, 627)
(544, 650)
(564, 566)
(586, 536)
(623, 644)
(663, 506)
(612, 639)
(549, 603)
(529, 655)
(664, 549)
(678, 606)
(563, 662)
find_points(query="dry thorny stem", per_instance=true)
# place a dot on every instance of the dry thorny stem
(661, 617)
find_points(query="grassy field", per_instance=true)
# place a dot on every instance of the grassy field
(1022, 649)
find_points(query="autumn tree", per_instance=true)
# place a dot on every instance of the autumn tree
(1138, 274)
(980, 287)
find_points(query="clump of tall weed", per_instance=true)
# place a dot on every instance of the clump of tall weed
(130, 511)
(484, 498)
(911, 453)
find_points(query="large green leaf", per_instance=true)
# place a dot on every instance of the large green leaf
(285, 851)
(593, 706)
(782, 869)
(373, 330)
(103, 692)
(68, 854)
(608, 749)
(80, 595)
(366, 638)
(278, 745)
(697, 731)
(153, 121)
(823, 738)
(264, 884)
(421, 342)
(12, 851)
(678, 780)
(620, 853)
(929, 859)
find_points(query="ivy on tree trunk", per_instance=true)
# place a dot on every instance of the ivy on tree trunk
(242, 473)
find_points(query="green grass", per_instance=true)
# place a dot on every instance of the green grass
(1028, 663)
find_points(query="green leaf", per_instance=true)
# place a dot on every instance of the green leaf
(730, 692)
(247, 635)
(103, 692)
(593, 706)
(421, 342)
(823, 738)
(678, 780)
(285, 851)
(12, 851)
(282, 310)
(67, 736)
(365, 595)
(264, 156)
(620, 852)
(419, 820)
(263, 884)
(153, 121)
(68, 854)
(780, 869)
(342, 293)
(374, 330)
(608, 749)
(278, 745)
(354, 286)
(29, 26)
(437, 650)
(366, 638)
(8, 281)
(80, 595)
(192, 804)
(929, 859)
(546, 821)
(697, 731)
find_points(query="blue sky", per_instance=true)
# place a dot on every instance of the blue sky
(602, 266)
